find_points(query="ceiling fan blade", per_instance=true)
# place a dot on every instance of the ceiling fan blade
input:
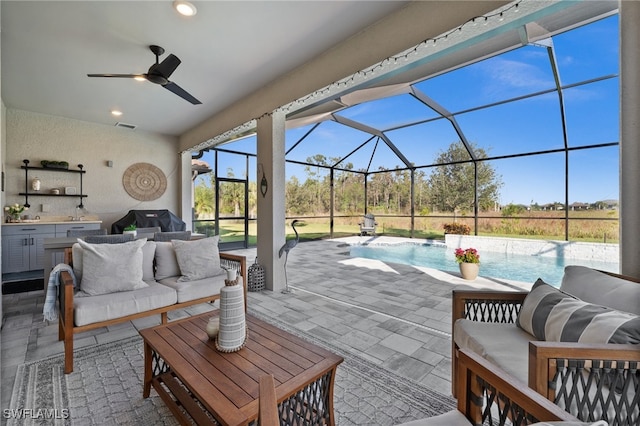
(118, 75)
(172, 87)
(166, 67)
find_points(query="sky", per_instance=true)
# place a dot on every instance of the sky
(529, 125)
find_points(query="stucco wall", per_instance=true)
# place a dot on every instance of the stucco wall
(44, 137)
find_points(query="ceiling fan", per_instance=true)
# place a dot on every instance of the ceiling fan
(159, 73)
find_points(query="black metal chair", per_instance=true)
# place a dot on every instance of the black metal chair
(172, 235)
(147, 232)
(85, 232)
(109, 239)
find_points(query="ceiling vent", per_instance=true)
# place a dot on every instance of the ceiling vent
(126, 126)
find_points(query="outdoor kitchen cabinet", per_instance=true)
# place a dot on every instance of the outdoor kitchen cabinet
(23, 243)
(22, 246)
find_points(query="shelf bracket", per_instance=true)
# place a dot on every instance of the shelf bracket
(26, 183)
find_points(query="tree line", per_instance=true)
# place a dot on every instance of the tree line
(445, 188)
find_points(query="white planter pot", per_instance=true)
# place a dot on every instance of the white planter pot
(469, 271)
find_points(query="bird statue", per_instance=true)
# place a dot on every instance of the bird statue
(288, 245)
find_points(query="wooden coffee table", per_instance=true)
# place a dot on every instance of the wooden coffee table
(203, 385)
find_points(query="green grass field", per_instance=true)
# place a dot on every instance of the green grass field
(587, 226)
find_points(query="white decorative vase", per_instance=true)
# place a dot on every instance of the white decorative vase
(469, 271)
(233, 326)
(35, 184)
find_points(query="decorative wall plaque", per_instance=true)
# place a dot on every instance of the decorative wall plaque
(144, 181)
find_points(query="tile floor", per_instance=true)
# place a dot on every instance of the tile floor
(397, 316)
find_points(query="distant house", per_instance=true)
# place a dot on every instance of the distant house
(579, 206)
(552, 206)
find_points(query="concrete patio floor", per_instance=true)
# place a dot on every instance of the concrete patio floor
(397, 316)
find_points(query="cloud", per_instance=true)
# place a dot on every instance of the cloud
(505, 76)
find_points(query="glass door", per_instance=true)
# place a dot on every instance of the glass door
(231, 211)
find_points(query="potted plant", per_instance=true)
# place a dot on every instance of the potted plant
(14, 211)
(469, 261)
(130, 229)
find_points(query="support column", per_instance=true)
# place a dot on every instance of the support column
(629, 137)
(271, 206)
(186, 190)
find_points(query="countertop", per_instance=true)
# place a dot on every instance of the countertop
(49, 222)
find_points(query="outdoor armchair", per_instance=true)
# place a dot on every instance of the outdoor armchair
(591, 381)
(368, 224)
(488, 395)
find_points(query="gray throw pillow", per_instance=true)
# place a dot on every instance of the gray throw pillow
(76, 258)
(110, 268)
(198, 259)
(554, 316)
(166, 262)
(597, 287)
(148, 254)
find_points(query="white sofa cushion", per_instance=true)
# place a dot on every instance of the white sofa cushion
(88, 310)
(456, 418)
(552, 315)
(505, 345)
(190, 290)
(198, 259)
(602, 289)
(110, 268)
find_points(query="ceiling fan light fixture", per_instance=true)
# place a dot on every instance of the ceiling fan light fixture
(184, 8)
(139, 78)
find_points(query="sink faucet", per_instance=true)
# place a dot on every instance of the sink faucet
(77, 218)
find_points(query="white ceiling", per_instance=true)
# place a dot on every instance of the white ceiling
(228, 50)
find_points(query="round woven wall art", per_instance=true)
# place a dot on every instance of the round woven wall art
(144, 181)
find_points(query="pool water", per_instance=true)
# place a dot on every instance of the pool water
(493, 264)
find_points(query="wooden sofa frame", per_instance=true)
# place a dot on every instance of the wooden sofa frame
(554, 368)
(488, 395)
(66, 327)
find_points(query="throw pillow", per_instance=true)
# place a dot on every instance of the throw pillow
(110, 268)
(148, 253)
(76, 258)
(198, 259)
(166, 262)
(552, 315)
(594, 286)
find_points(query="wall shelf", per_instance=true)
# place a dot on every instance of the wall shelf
(26, 194)
(44, 194)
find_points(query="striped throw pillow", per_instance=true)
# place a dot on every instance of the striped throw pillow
(554, 316)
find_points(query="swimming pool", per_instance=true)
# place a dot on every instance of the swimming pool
(493, 264)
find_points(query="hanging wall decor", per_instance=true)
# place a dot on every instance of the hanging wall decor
(144, 182)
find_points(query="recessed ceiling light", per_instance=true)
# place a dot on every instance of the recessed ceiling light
(116, 112)
(184, 8)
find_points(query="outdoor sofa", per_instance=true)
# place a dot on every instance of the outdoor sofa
(577, 345)
(121, 282)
